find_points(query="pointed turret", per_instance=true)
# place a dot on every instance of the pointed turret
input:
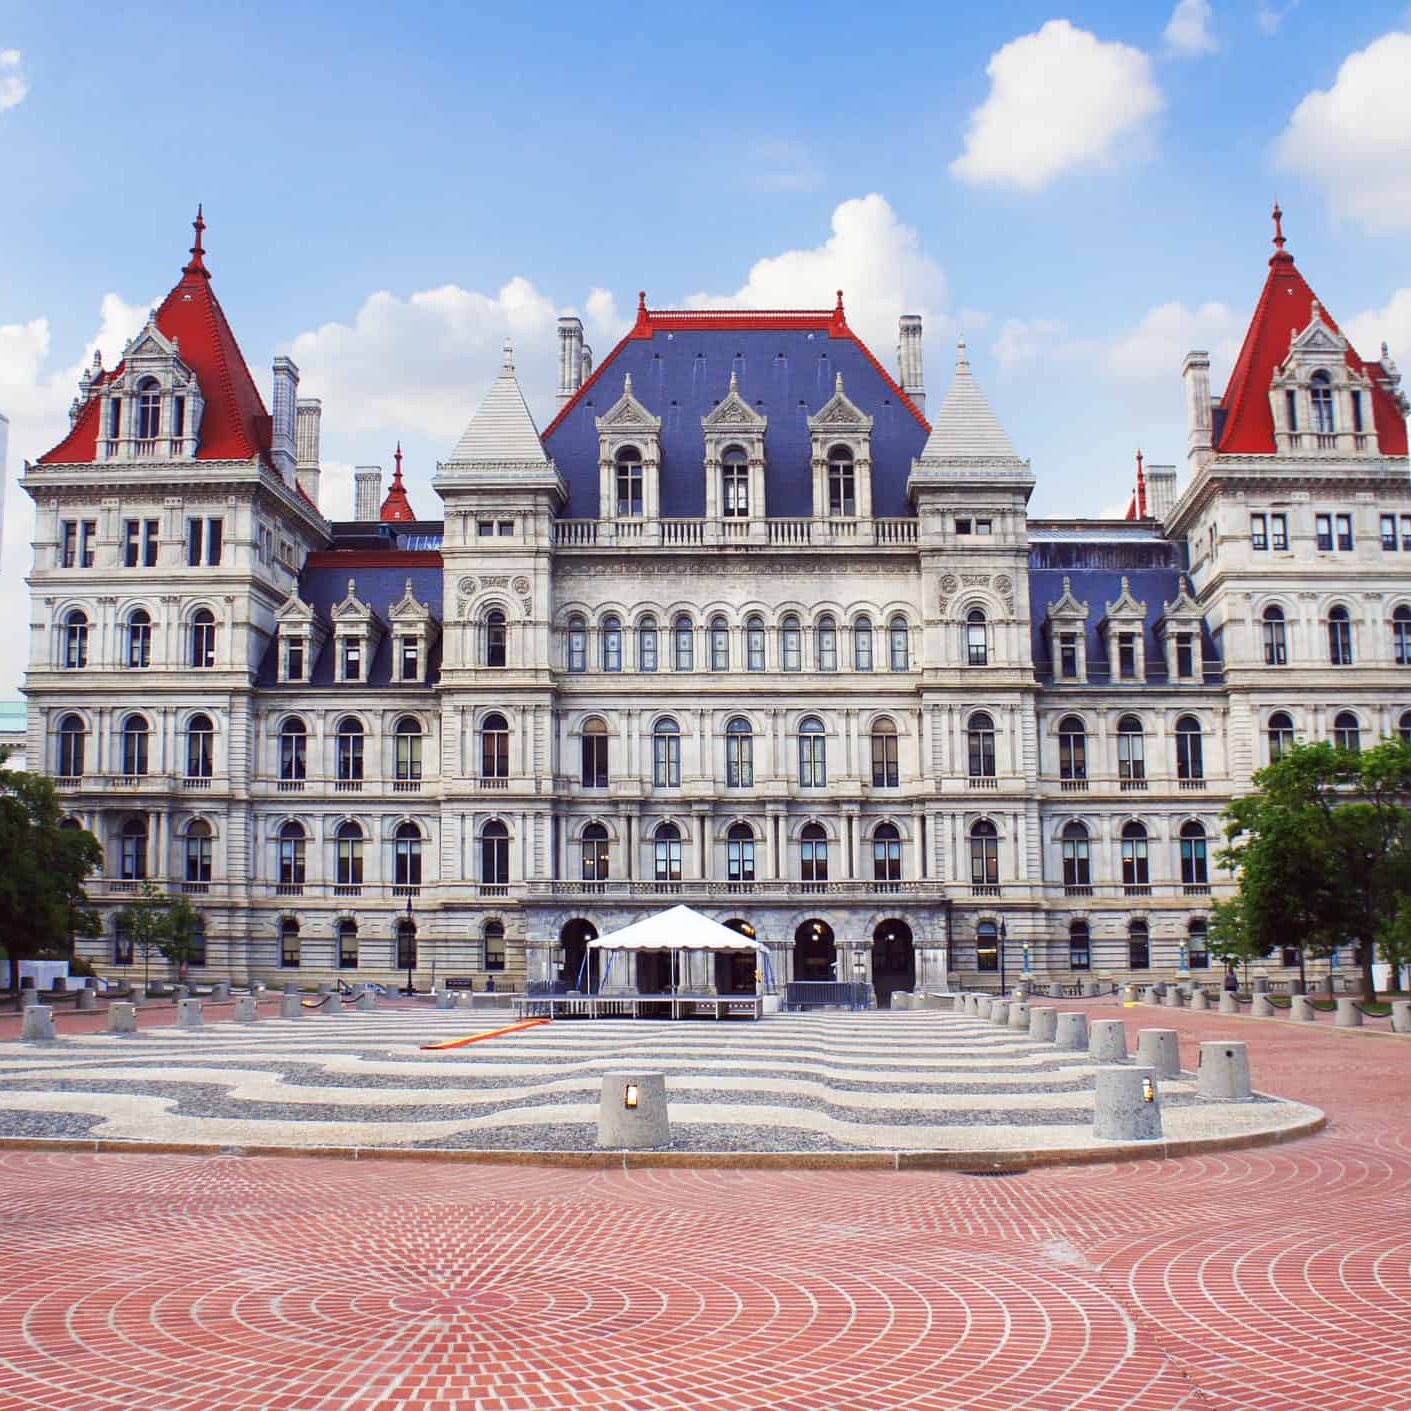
(502, 432)
(397, 508)
(966, 428)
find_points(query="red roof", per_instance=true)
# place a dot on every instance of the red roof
(235, 424)
(1284, 310)
(396, 508)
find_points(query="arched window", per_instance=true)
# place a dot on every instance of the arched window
(984, 854)
(407, 750)
(203, 638)
(595, 853)
(719, 645)
(987, 946)
(1403, 726)
(1320, 393)
(347, 945)
(75, 640)
(1077, 864)
(494, 747)
(149, 409)
(492, 933)
(900, 641)
(825, 644)
(683, 644)
(980, 735)
(495, 854)
(739, 754)
(289, 955)
(629, 483)
(754, 644)
(1136, 869)
(198, 853)
(135, 735)
(1072, 748)
(842, 482)
(862, 644)
(885, 773)
(1080, 946)
(1347, 731)
(886, 857)
(813, 754)
(1198, 944)
(72, 741)
(666, 845)
(594, 755)
(1339, 637)
(790, 644)
(348, 751)
(666, 754)
(577, 644)
(293, 749)
(1131, 749)
(1138, 946)
(611, 643)
(139, 638)
(735, 483)
(1194, 867)
(977, 645)
(1280, 734)
(813, 855)
(1401, 635)
(739, 853)
(1276, 650)
(348, 855)
(647, 644)
(406, 856)
(200, 747)
(132, 850)
(1190, 754)
(292, 855)
(496, 638)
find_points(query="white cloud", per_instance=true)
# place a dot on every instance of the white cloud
(1271, 17)
(1391, 324)
(14, 87)
(1188, 30)
(1022, 342)
(1059, 99)
(780, 165)
(1353, 140)
(1154, 350)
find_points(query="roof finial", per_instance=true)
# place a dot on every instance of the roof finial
(840, 301)
(1141, 488)
(507, 361)
(1278, 225)
(397, 474)
(197, 263)
(641, 301)
(838, 385)
(962, 359)
(734, 381)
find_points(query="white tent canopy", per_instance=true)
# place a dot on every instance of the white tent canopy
(679, 928)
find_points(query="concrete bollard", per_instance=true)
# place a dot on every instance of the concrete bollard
(332, 1004)
(1260, 985)
(182, 992)
(122, 1018)
(188, 1014)
(1043, 1023)
(1348, 1015)
(246, 1009)
(901, 1000)
(29, 996)
(632, 1113)
(1200, 1000)
(87, 999)
(1228, 1003)
(291, 1006)
(465, 1001)
(445, 1000)
(1175, 999)
(367, 1001)
(1301, 1009)
(999, 1012)
(1072, 1031)
(325, 988)
(968, 1004)
(38, 1022)
(1160, 1050)
(1262, 1007)
(291, 987)
(1019, 1015)
(936, 1002)
(1091, 989)
(1401, 1016)
(1222, 1073)
(1129, 994)
(1107, 1040)
(220, 992)
(984, 1005)
(1126, 1105)
(138, 995)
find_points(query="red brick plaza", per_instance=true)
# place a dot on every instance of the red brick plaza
(1275, 1278)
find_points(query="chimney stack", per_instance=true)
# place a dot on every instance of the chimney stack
(286, 398)
(570, 357)
(368, 500)
(1200, 443)
(1160, 490)
(909, 360)
(308, 423)
(587, 364)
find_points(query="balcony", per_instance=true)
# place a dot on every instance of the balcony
(406, 786)
(404, 891)
(1132, 785)
(491, 781)
(1077, 889)
(1136, 889)
(1195, 889)
(699, 533)
(196, 781)
(983, 781)
(1191, 783)
(289, 889)
(291, 786)
(195, 889)
(984, 889)
(348, 890)
(702, 890)
(1074, 786)
(348, 786)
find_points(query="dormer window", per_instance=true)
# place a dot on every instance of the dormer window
(408, 659)
(1320, 392)
(114, 419)
(629, 483)
(149, 409)
(735, 484)
(842, 482)
(294, 659)
(352, 663)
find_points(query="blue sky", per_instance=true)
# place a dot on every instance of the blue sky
(1083, 191)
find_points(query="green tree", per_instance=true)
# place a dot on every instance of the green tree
(145, 921)
(181, 926)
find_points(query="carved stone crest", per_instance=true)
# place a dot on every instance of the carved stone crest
(520, 584)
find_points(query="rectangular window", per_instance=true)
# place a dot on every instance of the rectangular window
(485, 528)
(1068, 656)
(294, 660)
(1291, 409)
(1127, 656)
(1258, 532)
(1211, 532)
(68, 551)
(1357, 412)
(178, 417)
(1080, 956)
(505, 528)
(194, 541)
(962, 526)
(1389, 540)
(352, 659)
(149, 543)
(1185, 656)
(131, 549)
(982, 526)
(1344, 523)
(1278, 532)
(1406, 532)
(410, 658)
(87, 541)
(215, 536)
(1323, 525)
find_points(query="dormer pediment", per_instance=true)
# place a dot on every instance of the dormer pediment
(408, 611)
(1125, 607)
(733, 413)
(294, 611)
(1183, 609)
(840, 414)
(1067, 608)
(352, 610)
(628, 415)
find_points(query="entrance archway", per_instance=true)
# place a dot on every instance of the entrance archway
(893, 960)
(735, 969)
(815, 955)
(574, 938)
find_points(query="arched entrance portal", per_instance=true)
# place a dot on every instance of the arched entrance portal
(574, 939)
(735, 970)
(815, 955)
(893, 961)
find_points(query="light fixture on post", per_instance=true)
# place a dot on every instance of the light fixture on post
(1027, 958)
(629, 1095)
(1184, 964)
(410, 945)
(1148, 1090)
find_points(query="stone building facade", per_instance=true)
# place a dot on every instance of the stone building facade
(739, 628)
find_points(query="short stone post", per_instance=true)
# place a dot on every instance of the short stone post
(1129, 994)
(1228, 1003)
(1200, 1000)
(122, 1018)
(935, 1002)
(38, 1022)
(87, 999)
(1260, 985)
(291, 1005)
(220, 992)
(246, 1009)
(1072, 1031)
(901, 999)
(325, 988)
(984, 1006)
(1348, 1016)
(1175, 999)
(188, 1014)
(465, 1001)
(1262, 1007)
(1401, 1016)
(182, 992)
(632, 1113)
(1160, 1050)
(1222, 1073)
(445, 1000)
(1019, 1015)
(1043, 1023)
(367, 1001)
(29, 996)
(291, 987)
(1107, 1040)
(1126, 1105)
(1301, 1009)
(999, 1013)
(1091, 989)
(138, 995)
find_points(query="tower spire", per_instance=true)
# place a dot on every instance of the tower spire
(1280, 255)
(197, 263)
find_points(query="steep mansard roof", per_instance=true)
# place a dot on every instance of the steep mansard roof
(235, 424)
(786, 364)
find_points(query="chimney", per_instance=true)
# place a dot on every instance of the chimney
(368, 498)
(1199, 431)
(587, 364)
(286, 398)
(1160, 490)
(909, 360)
(570, 357)
(308, 422)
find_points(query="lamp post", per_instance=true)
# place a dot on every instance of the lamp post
(1003, 937)
(411, 951)
(1184, 964)
(1028, 956)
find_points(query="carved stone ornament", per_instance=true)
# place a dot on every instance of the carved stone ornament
(949, 583)
(495, 580)
(1004, 584)
(527, 604)
(466, 585)
(520, 584)
(975, 580)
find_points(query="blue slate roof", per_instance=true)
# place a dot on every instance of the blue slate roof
(679, 374)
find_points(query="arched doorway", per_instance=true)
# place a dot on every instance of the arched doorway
(735, 970)
(893, 960)
(574, 938)
(815, 955)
